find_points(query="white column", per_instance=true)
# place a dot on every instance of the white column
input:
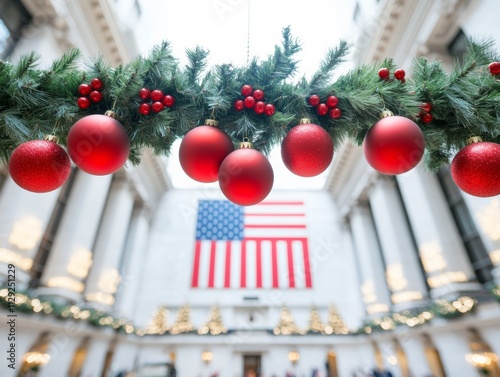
(71, 257)
(23, 219)
(441, 249)
(414, 349)
(486, 214)
(373, 288)
(104, 276)
(61, 350)
(403, 273)
(95, 357)
(135, 254)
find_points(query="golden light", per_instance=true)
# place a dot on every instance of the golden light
(395, 277)
(432, 257)
(392, 360)
(294, 357)
(109, 280)
(368, 291)
(489, 219)
(447, 278)
(406, 296)
(80, 263)
(26, 233)
(101, 298)
(9, 256)
(377, 308)
(66, 282)
(207, 356)
(481, 359)
(36, 358)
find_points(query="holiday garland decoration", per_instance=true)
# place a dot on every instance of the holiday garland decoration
(38, 102)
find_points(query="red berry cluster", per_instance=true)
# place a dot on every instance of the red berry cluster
(157, 101)
(89, 93)
(254, 100)
(425, 112)
(399, 74)
(494, 68)
(328, 107)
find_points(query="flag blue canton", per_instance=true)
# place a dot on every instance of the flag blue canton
(219, 220)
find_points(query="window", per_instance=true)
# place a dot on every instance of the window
(478, 255)
(357, 10)
(13, 18)
(457, 47)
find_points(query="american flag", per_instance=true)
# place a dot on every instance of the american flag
(260, 246)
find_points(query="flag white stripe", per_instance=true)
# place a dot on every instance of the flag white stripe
(298, 264)
(220, 264)
(275, 220)
(251, 267)
(267, 279)
(283, 264)
(204, 264)
(235, 264)
(275, 233)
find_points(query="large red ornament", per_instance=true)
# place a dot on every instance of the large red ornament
(202, 151)
(246, 177)
(98, 144)
(476, 169)
(307, 149)
(394, 145)
(39, 166)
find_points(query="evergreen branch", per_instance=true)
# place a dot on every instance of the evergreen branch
(333, 59)
(197, 63)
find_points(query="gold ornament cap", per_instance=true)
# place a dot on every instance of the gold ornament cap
(246, 144)
(305, 121)
(474, 139)
(211, 122)
(51, 138)
(386, 113)
(111, 114)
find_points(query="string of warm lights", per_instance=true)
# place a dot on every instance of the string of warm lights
(495, 291)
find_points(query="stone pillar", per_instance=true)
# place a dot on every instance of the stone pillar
(104, 276)
(373, 288)
(24, 216)
(95, 357)
(70, 258)
(403, 273)
(441, 249)
(414, 348)
(135, 254)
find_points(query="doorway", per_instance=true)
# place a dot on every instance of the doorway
(251, 365)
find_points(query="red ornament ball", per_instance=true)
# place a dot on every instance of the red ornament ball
(156, 95)
(269, 110)
(494, 68)
(332, 101)
(84, 89)
(335, 113)
(98, 144)
(394, 145)
(322, 109)
(39, 166)
(307, 150)
(144, 93)
(249, 102)
(476, 169)
(314, 100)
(157, 106)
(258, 94)
(246, 90)
(95, 96)
(239, 105)
(259, 107)
(384, 73)
(426, 118)
(202, 151)
(399, 74)
(426, 106)
(96, 84)
(83, 102)
(144, 108)
(168, 100)
(246, 177)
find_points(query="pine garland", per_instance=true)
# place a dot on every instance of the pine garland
(36, 102)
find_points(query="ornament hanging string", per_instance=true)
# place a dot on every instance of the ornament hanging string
(248, 32)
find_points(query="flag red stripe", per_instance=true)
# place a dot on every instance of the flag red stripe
(243, 274)
(211, 273)
(291, 203)
(291, 277)
(274, 256)
(258, 266)
(196, 264)
(276, 214)
(275, 226)
(307, 267)
(227, 276)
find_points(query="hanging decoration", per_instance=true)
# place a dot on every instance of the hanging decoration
(158, 325)
(156, 101)
(286, 324)
(183, 322)
(315, 325)
(335, 324)
(214, 325)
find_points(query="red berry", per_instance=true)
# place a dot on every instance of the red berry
(426, 118)
(95, 96)
(426, 107)
(494, 68)
(314, 100)
(399, 74)
(168, 100)
(322, 109)
(145, 108)
(249, 102)
(84, 89)
(384, 73)
(157, 106)
(239, 105)
(332, 101)
(144, 93)
(96, 84)
(83, 102)
(246, 90)
(259, 107)
(269, 110)
(156, 95)
(335, 113)
(258, 94)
